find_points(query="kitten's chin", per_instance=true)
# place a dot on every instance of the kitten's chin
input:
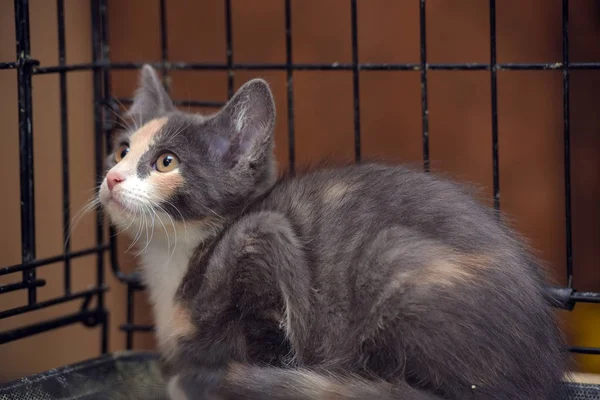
(115, 211)
(113, 206)
(120, 218)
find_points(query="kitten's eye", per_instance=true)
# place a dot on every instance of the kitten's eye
(166, 162)
(121, 152)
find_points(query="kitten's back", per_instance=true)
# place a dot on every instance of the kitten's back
(413, 267)
(369, 196)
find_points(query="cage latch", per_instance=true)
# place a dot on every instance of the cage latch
(561, 297)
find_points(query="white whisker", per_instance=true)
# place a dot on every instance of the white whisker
(125, 125)
(128, 226)
(174, 230)
(179, 130)
(181, 215)
(166, 232)
(145, 224)
(214, 212)
(147, 210)
(135, 125)
(138, 234)
(151, 229)
(88, 207)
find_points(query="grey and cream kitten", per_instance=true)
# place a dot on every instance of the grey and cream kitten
(359, 282)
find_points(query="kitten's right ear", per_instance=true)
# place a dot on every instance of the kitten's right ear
(245, 124)
(151, 99)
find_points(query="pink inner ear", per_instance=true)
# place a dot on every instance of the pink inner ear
(248, 137)
(219, 146)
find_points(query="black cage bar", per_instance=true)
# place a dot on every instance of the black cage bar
(106, 109)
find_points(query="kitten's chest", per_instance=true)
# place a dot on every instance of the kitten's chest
(163, 272)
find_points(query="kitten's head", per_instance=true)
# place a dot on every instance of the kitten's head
(189, 166)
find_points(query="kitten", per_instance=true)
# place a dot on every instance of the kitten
(360, 282)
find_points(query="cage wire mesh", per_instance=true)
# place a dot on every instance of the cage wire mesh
(93, 312)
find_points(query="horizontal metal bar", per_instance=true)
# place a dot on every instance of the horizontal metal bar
(66, 68)
(566, 297)
(585, 297)
(11, 287)
(459, 67)
(584, 65)
(199, 103)
(584, 350)
(535, 66)
(8, 65)
(52, 302)
(40, 327)
(323, 67)
(136, 328)
(192, 103)
(51, 260)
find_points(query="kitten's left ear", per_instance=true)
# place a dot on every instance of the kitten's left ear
(151, 99)
(245, 124)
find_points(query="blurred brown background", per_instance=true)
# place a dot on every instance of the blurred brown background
(529, 107)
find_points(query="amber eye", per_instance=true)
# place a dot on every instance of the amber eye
(121, 152)
(166, 162)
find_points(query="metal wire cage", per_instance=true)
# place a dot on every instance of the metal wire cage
(93, 312)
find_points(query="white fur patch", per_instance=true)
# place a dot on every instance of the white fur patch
(164, 266)
(174, 392)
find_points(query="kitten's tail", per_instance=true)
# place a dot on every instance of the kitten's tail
(249, 382)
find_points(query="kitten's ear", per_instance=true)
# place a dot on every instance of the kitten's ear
(245, 124)
(151, 99)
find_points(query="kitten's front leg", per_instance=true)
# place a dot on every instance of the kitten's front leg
(256, 281)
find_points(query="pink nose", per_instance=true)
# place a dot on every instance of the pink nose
(113, 178)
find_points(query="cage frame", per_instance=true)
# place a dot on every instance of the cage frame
(105, 105)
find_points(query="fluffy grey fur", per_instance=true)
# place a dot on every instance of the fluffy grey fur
(359, 282)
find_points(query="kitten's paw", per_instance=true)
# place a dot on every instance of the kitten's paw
(174, 391)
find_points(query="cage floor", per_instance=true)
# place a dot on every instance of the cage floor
(121, 375)
(136, 375)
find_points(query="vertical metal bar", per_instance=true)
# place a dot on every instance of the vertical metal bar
(24, 74)
(113, 251)
(229, 44)
(64, 132)
(355, 80)
(567, 139)
(130, 309)
(104, 333)
(104, 55)
(164, 44)
(424, 107)
(290, 86)
(494, 90)
(98, 16)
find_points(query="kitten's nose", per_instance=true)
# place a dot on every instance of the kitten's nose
(113, 178)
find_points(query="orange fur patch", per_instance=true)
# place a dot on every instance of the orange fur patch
(142, 138)
(181, 321)
(236, 371)
(139, 144)
(336, 192)
(452, 270)
(179, 325)
(166, 184)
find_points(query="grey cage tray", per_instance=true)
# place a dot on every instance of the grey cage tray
(116, 376)
(136, 375)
